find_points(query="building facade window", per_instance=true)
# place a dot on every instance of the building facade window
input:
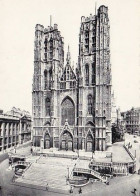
(45, 79)
(87, 75)
(67, 112)
(47, 106)
(51, 49)
(93, 74)
(50, 78)
(90, 104)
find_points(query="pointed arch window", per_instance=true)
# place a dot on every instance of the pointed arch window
(87, 75)
(93, 74)
(45, 79)
(51, 48)
(67, 111)
(90, 104)
(45, 49)
(47, 106)
(50, 78)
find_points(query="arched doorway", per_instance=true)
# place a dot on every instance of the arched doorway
(66, 141)
(67, 111)
(90, 143)
(47, 141)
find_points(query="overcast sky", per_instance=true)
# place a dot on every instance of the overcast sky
(17, 25)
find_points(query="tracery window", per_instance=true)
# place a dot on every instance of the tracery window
(93, 74)
(51, 48)
(45, 79)
(87, 75)
(87, 40)
(90, 104)
(50, 78)
(45, 49)
(48, 106)
(67, 112)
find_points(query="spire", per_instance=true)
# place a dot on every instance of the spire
(68, 59)
(50, 20)
(73, 66)
(95, 6)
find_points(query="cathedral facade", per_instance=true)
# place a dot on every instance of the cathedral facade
(72, 107)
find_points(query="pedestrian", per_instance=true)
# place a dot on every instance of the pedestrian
(134, 191)
(10, 162)
(47, 187)
(80, 190)
(107, 183)
(66, 180)
(71, 189)
(15, 149)
(31, 150)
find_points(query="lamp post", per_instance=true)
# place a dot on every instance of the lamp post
(111, 167)
(135, 153)
(35, 141)
(77, 73)
(53, 131)
(92, 153)
(68, 172)
(124, 138)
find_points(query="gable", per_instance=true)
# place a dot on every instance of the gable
(68, 74)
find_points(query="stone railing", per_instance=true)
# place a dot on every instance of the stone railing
(130, 154)
(93, 163)
(92, 172)
(82, 170)
(63, 156)
(78, 181)
(23, 163)
(99, 176)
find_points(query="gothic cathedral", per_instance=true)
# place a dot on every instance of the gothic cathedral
(72, 107)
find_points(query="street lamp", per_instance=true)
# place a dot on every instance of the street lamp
(135, 153)
(111, 162)
(68, 172)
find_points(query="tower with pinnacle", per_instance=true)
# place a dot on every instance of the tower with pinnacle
(72, 108)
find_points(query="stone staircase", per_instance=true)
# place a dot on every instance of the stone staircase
(99, 176)
(94, 173)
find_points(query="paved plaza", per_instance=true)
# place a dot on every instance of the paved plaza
(47, 175)
(48, 172)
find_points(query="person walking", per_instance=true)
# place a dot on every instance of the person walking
(134, 191)
(80, 190)
(15, 149)
(71, 189)
(47, 187)
(10, 162)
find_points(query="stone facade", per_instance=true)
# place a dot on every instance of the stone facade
(132, 120)
(15, 128)
(72, 108)
(113, 109)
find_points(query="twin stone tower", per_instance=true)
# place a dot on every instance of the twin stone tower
(72, 108)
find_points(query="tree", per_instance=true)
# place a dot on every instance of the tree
(117, 135)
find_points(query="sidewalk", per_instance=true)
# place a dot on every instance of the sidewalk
(120, 154)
